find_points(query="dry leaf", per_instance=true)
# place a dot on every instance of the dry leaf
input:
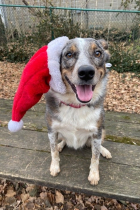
(30, 187)
(79, 199)
(43, 195)
(103, 208)
(24, 197)
(29, 206)
(10, 193)
(2, 188)
(134, 206)
(59, 198)
(51, 198)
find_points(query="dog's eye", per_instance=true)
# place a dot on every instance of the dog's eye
(97, 54)
(69, 55)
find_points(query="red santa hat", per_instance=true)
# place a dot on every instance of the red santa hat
(41, 72)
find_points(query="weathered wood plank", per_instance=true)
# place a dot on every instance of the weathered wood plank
(6, 104)
(36, 121)
(122, 117)
(117, 181)
(38, 141)
(117, 124)
(32, 121)
(6, 107)
(116, 128)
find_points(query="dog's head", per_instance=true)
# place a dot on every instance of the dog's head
(83, 66)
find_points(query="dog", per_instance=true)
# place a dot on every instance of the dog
(77, 117)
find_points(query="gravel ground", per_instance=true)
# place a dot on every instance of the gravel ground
(123, 95)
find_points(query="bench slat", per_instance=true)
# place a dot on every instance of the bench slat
(36, 121)
(118, 181)
(32, 140)
(6, 106)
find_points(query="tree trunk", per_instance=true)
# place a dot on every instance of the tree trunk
(2, 33)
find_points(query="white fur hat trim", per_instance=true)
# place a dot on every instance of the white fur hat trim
(54, 50)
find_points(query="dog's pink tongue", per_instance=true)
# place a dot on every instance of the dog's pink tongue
(84, 92)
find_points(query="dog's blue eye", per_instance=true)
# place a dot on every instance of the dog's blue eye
(97, 54)
(69, 55)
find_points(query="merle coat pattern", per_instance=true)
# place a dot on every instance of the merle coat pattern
(77, 117)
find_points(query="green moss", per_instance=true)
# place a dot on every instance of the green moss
(3, 124)
(125, 140)
(126, 117)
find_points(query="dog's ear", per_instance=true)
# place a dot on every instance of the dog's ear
(105, 47)
(103, 43)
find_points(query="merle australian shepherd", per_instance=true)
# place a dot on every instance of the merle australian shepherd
(77, 117)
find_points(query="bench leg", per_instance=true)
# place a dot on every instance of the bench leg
(94, 166)
(54, 167)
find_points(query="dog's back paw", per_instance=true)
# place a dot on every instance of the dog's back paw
(61, 145)
(105, 153)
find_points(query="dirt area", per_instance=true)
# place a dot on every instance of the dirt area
(123, 93)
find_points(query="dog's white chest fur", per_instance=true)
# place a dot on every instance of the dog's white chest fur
(77, 125)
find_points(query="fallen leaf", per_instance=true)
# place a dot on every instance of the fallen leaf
(10, 200)
(30, 187)
(24, 197)
(103, 208)
(29, 205)
(10, 193)
(51, 198)
(134, 206)
(43, 195)
(59, 198)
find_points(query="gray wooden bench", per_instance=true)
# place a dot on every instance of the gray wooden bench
(25, 156)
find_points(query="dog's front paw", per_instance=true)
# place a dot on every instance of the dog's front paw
(54, 168)
(93, 177)
(105, 153)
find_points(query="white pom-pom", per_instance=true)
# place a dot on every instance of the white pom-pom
(15, 126)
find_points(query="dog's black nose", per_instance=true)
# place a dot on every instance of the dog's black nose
(86, 72)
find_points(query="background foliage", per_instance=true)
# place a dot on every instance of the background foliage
(124, 45)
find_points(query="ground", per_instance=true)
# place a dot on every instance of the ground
(19, 196)
(123, 95)
(123, 92)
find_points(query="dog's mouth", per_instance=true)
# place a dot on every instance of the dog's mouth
(83, 93)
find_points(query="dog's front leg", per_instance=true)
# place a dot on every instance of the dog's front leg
(94, 166)
(54, 168)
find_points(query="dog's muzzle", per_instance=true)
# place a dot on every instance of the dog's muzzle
(84, 90)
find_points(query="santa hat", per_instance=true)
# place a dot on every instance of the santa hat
(41, 72)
